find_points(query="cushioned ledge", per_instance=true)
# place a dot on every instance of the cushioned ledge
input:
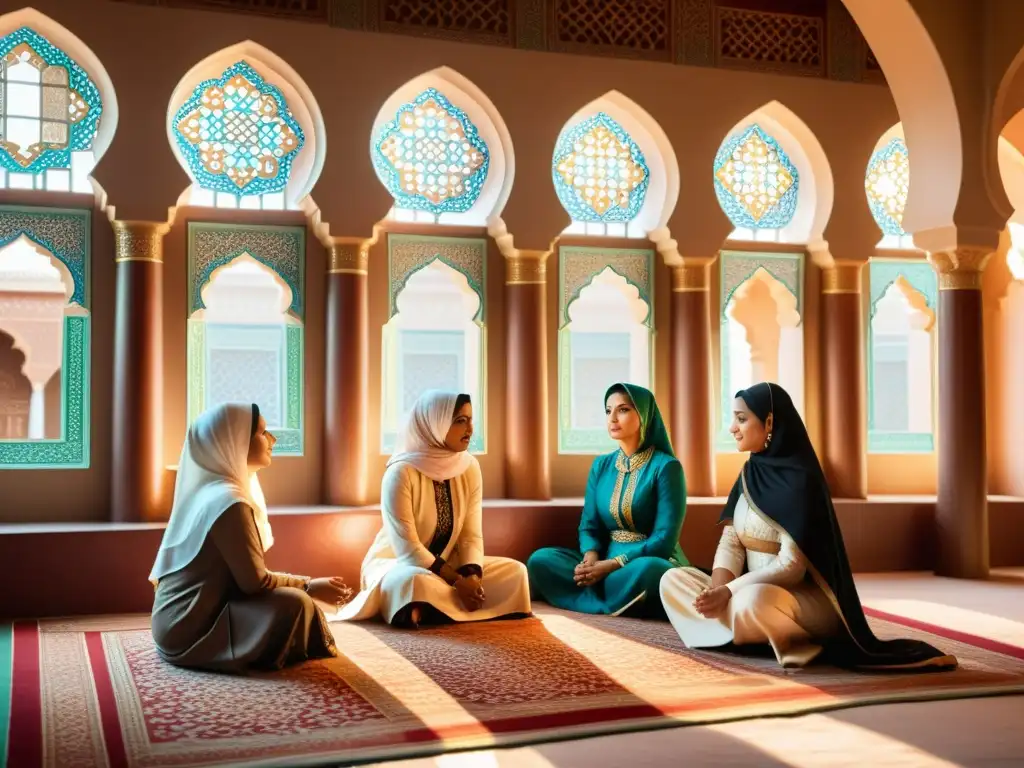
(92, 568)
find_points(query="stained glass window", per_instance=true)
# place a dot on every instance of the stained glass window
(49, 114)
(237, 134)
(755, 181)
(430, 156)
(599, 172)
(887, 183)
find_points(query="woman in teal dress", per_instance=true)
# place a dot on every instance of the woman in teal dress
(632, 515)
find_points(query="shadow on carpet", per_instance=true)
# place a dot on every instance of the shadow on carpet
(94, 692)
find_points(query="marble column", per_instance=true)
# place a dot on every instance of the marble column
(961, 514)
(690, 359)
(844, 385)
(37, 412)
(346, 400)
(137, 482)
(527, 463)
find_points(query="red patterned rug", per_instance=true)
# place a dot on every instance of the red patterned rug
(93, 692)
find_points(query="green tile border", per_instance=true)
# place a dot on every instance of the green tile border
(6, 686)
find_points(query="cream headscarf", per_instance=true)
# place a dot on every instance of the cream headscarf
(213, 474)
(421, 438)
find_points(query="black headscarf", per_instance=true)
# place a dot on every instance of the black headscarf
(785, 483)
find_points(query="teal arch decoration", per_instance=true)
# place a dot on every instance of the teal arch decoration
(67, 235)
(407, 254)
(578, 265)
(922, 278)
(919, 273)
(70, 121)
(281, 249)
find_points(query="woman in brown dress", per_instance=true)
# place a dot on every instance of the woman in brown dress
(217, 605)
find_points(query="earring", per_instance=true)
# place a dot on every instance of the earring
(768, 441)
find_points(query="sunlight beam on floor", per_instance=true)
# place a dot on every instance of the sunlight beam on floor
(961, 619)
(822, 742)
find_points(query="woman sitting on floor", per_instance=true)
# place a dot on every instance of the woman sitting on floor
(797, 593)
(427, 564)
(632, 515)
(217, 606)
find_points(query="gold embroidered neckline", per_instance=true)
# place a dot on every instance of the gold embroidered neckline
(621, 505)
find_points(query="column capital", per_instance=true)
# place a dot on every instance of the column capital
(961, 268)
(691, 275)
(842, 276)
(348, 255)
(526, 267)
(139, 240)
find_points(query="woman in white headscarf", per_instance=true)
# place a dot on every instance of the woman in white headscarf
(427, 564)
(217, 606)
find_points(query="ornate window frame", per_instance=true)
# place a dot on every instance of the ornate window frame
(735, 268)
(281, 249)
(66, 233)
(407, 255)
(577, 267)
(882, 274)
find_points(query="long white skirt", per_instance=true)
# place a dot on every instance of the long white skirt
(788, 619)
(506, 586)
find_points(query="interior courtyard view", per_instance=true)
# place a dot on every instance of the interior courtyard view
(511, 383)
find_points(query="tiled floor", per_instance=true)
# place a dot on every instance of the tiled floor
(940, 734)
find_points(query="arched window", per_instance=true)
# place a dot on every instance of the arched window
(605, 337)
(44, 338)
(435, 337)
(761, 333)
(901, 356)
(601, 177)
(431, 157)
(887, 184)
(245, 328)
(50, 111)
(245, 128)
(757, 184)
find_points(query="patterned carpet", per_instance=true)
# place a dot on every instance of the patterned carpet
(92, 691)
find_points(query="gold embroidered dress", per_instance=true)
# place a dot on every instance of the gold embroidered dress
(633, 510)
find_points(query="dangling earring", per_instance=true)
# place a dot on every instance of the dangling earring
(768, 441)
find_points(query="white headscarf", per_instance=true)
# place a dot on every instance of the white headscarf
(213, 474)
(421, 438)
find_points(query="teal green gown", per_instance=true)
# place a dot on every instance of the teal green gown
(634, 508)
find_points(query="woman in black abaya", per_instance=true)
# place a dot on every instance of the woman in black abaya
(781, 575)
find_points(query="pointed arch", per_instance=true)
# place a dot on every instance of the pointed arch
(649, 190)
(290, 167)
(486, 158)
(921, 88)
(796, 199)
(95, 120)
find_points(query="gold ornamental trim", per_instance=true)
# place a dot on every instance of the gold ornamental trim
(962, 269)
(139, 241)
(348, 257)
(526, 268)
(691, 278)
(842, 278)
